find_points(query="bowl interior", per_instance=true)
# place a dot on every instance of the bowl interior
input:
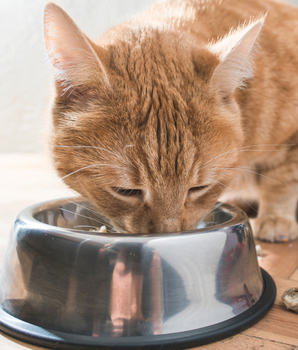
(83, 216)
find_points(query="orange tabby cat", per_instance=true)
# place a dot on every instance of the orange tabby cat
(165, 113)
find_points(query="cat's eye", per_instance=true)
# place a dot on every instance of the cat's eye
(128, 192)
(196, 189)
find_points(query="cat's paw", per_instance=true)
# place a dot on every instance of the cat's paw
(275, 228)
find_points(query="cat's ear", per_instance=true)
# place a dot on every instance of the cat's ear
(72, 56)
(235, 52)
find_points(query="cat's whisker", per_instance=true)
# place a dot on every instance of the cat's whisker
(124, 149)
(86, 204)
(98, 214)
(73, 199)
(93, 165)
(244, 149)
(221, 203)
(114, 152)
(99, 148)
(244, 190)
(102, 219)
(256, 150)
(254, 172)
(237, 193)
(92, 210)
(213, 191)
(84, 216)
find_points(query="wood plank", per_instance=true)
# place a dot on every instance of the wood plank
(294, 276)
(244, 342)
(282, 285)
(279, 259)
(279, 325)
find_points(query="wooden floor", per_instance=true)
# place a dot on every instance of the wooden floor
(27, 179)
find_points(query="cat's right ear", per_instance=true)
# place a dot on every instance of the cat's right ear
(74, 60)
(235, 52)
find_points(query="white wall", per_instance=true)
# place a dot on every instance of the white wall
(24, 68)
(25, 73)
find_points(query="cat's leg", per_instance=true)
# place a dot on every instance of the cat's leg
(278, 194)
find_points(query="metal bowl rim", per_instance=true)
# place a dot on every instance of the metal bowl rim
(27, 216)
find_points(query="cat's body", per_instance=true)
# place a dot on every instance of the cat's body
(158, 107)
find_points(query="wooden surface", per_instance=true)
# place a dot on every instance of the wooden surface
(26, 179)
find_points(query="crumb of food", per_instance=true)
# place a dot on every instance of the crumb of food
(102, 229)
(290, 298)
(283, 238)
(259, 250)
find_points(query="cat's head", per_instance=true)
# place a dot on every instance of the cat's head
(145, 123)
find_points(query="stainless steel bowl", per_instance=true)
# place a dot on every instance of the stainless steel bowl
(64, 287)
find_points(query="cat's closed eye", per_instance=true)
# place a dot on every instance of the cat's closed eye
(196, 190)
(125, 192)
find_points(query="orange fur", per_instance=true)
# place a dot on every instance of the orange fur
(187, 101)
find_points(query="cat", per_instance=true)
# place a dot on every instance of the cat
(165, 114)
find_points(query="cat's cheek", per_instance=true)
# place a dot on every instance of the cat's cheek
(193, 218)
(127, 218)
(202, 203)
(137, 222)
(196, 209)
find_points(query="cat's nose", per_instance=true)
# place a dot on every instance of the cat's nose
(171, 225)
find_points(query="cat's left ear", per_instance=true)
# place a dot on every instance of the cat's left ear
(235, 52)
(71, 53)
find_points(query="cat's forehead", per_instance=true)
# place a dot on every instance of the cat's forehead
(163, 144)
(152, 53)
